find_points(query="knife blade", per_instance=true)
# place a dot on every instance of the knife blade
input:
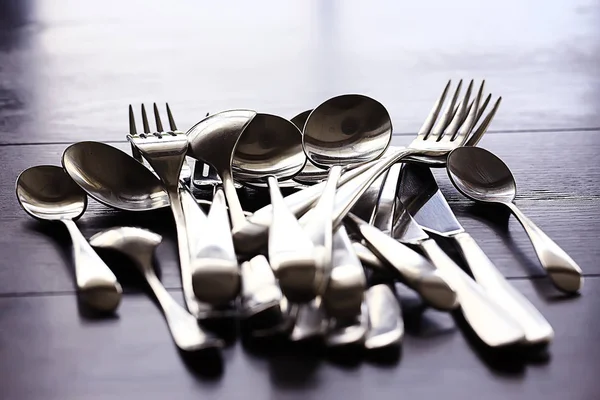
(420, 193)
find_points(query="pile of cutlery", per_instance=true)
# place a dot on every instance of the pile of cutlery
(349, 218)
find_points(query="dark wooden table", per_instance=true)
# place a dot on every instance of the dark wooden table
(69, 69)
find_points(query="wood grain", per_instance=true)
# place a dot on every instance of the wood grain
(47, 350)
(69, 68)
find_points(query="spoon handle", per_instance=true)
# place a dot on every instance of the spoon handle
(494, 326)
(291, 251)
(185, 331)
(563, 271)
(96, 283)
(386, 326)
(537, 329)
(346, 286)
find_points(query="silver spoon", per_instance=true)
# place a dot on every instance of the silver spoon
(270, 148)
(213, 140)
(480, 175)
(46, 192)
(139, 245)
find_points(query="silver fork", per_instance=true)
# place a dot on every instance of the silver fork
(166, 152)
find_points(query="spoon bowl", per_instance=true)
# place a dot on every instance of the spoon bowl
(113, 177)
(45, 192)
(481, 175)
(213, 140)
(269, 146)
(347, 129)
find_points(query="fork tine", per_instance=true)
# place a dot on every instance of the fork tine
(460, 114)
(482, 108)
(478, 134)
(171, 119)
(467, 126)
(438, 129)
(159, 126)
(433, 114)
(145, 120)
(132, 129)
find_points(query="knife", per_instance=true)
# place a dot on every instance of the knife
(420, 194)
(490, 322)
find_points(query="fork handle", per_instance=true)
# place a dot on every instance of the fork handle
(183, 247)
(536, 327)
(563, 271)
(494, 326)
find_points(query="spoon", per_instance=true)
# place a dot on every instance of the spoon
(117, 180)
(480, 175)
(270, 148)
(139, 245)
(46, 192)
(213, 140)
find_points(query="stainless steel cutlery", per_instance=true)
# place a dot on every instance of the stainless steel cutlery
(322, 261)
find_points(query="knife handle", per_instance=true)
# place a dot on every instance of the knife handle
(494, 326)
(536, 327)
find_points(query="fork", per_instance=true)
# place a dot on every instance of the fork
(166, 152)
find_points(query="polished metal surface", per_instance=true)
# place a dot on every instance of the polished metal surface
(270, 149)
(346, 285)
(348, 331)
(213, 140)
(353, 183)
(214, 265)
(296, 260)
(113, 178)
(309, 321)
(490, 322)
(418, 190)
(408, 266)
(432, 142)
(310, 174)
(260, 291)
(385, 324)
(347, 129)
(166, 152)
(186, 170)
(139, 245)
(481, 176)
(46, 192)
(269, 146)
